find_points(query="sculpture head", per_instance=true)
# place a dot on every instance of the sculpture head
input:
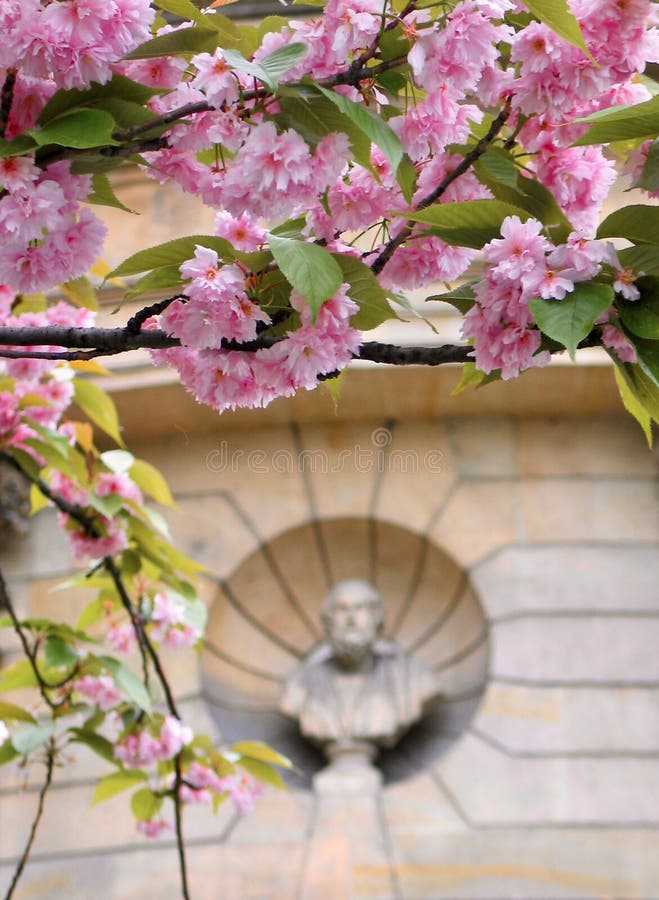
(352, 616)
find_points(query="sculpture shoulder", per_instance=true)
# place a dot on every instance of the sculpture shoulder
(303, 679)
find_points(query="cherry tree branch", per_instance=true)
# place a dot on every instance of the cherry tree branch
(109, 341)
(147, 650)
(30, 653)
(50, 763)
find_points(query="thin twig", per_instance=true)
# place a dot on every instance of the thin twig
(44, 687)
(50, 763)
(385, 255)
(134, 324)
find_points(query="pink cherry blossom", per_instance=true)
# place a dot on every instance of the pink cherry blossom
(615, 340)
(173, 736)
(153, 828)
(100, 689)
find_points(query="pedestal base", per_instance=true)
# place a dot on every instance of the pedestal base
(350, 771)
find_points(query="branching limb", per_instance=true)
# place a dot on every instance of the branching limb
(30, 653)
(50, 763)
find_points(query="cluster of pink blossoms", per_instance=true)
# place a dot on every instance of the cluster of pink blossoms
(100, 689)
(525, 264)
(139, 749)
(72, 42)
(42, 389)
(201, 782)
(218, 307)
(168, 625)
(47, 237)
(111, 532)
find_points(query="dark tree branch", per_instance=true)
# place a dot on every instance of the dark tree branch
(394, 355)
(134, 324)
(6, 100)
(50, 763)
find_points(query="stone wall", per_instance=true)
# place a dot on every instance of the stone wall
(541, 780)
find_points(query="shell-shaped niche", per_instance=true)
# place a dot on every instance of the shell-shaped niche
(266, 618)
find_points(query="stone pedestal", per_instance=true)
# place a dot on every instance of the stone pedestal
(350, 771)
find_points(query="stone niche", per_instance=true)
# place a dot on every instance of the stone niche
(266, 618)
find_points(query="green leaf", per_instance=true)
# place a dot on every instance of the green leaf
(641, 316)
(646, 391)
(262, 772)
(372, 126)
(103, 194)
(79, 128)
(186, 10)
(17, 676)
(99, 407)
(638, 223)
(462, 297)
(128, 682)
(259, 750)
(270, 69)
(38, 501)
(96, 742)
(643, 258)
(30, 738)
(7, 752)
(183, 42)
(406, 177)
(471, 377)
(94, 611)
(149, 479)
(314, 117)
(81, 292)
(570, 320)
(649, 179)
(116, 783)
(119, 87)
(181, 249)
(58, 654)
(631, 402)
(164, 277)
(10, 711)
(648, 358)
(557, 15)
(310, 269)
(365, 290)
(145, 804)
(471, 223)
(17, 146)
(621, 123)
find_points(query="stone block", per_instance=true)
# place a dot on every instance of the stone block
(568, 577)
(570, 510)
(479, 518)
(520, 865)
(496, 789)
(484, 446)
(573, 720)
(564, 649)
(590, 446)
(417, 472)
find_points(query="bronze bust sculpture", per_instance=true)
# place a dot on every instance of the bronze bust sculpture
(356, 691)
